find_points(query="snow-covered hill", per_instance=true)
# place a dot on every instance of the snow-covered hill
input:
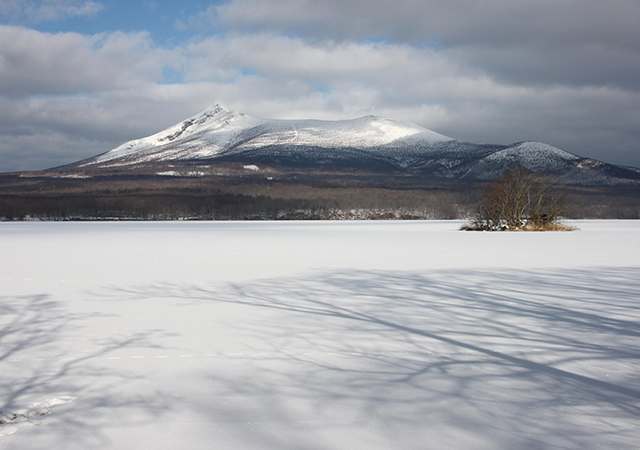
(219, 135)
(217, 131)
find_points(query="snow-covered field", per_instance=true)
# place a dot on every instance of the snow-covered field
(318, 336)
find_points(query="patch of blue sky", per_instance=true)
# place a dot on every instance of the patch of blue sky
(431, 42)
(322, 88)
(247, 72)
(159, 18)
(171, 75)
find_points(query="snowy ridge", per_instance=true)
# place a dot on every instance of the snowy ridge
(361, 133)
(534, 156)
(203, 135)
(217, 130)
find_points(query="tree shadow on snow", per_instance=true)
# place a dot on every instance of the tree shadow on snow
(533, 359)
(43, 383)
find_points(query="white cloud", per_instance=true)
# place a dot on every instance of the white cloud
(586, 42)
(32, 62)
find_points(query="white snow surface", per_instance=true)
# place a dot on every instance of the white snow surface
(319, 335)
(217, 129)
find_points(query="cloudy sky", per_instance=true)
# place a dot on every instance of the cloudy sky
(78, 77)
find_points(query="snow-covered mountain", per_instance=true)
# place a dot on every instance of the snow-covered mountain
(217, 131)
(219, 135)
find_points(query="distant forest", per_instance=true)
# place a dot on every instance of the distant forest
(151, 198)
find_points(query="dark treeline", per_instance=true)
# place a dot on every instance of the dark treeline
(152, 199)
(157, 206)
(211, 207)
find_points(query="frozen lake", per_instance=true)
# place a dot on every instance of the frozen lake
(376, 335)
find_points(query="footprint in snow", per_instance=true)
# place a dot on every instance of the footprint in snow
(11, 421)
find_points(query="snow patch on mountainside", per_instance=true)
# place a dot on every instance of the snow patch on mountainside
(173, 173)
(362, 133)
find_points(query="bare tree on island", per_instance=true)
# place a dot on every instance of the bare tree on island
(519, 201)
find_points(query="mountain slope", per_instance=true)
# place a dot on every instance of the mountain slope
(217, 135)
(217, 131)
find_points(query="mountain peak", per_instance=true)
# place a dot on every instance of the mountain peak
(215, 108)
(542, 149)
